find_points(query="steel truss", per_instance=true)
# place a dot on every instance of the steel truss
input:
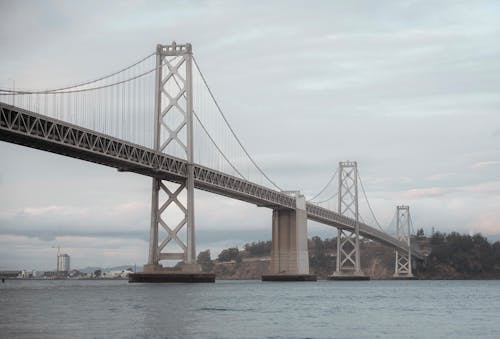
(30, 129)
(403, 257)
(41, 132)
(37, 131)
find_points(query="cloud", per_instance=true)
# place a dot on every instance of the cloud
(484, 164)
(486, 222)
(488, 188)
(54, 210)
(424, 193)
(440, 176)
(481, 189)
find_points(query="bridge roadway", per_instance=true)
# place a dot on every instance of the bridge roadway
(41, 132)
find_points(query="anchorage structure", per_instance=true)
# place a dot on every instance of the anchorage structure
(348, 257)
(403, 259)
(173, 134)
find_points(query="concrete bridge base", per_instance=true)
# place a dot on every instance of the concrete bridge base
(289, 277)
(289, 254)
(143, 277)
(348, 277)
(404, 277)
(182, 274)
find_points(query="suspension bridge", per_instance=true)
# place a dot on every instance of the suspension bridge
(158, 117)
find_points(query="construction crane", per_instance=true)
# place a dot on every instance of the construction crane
(57, 258)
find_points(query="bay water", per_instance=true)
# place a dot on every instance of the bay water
(250, 309)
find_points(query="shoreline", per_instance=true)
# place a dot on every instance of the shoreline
(229, 279)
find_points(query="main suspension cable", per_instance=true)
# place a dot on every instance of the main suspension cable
(84, 89)
(210, 137)
(326, 186)
(326, 200)
(58, 90)
(368, 202)
(411, 225)
(231, 129)
(217, 147)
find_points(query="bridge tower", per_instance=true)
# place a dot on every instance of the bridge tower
(348, 266)
(402, 268)
(173, 134)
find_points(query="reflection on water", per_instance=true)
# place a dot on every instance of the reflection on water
(229, 309)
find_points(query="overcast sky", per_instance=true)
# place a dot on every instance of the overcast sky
(409, 89)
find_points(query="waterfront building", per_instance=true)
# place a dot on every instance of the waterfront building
(25, 274)
(63, 263)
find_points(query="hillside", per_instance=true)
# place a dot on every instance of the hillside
(459, 256)
(254, 260)
(452, 256)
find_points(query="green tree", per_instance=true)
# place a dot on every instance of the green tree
(205, 261)
(258, 249)
(229, 254)
(420, 233)
(457, 255)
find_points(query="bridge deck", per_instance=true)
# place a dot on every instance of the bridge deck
(41, 132)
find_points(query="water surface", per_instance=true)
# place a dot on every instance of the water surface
(250, 309)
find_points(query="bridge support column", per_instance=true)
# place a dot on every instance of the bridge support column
(348, 263)
(402, 267)
(290, 257)
(172, 209)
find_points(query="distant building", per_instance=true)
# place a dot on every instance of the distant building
(9, 274)
(25, 274)
(38, 274)
(75, 274)
(63, 263)
(50, 274)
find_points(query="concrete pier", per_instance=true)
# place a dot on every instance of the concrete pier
(404, 277)
(183, 274)
(289, 257)
(289, 277)
(348, 277)
(143, 277)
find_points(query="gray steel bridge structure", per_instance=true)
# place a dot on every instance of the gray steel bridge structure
(100, 121)
(30, 129)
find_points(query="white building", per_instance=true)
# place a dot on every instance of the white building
(26, 274)
(63, 263)
(118, 274)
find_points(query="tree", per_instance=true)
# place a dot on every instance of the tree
(437, 239)
(205, 261)
(420, 233)
(229, 254)
(258, 249)
(461, 256)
